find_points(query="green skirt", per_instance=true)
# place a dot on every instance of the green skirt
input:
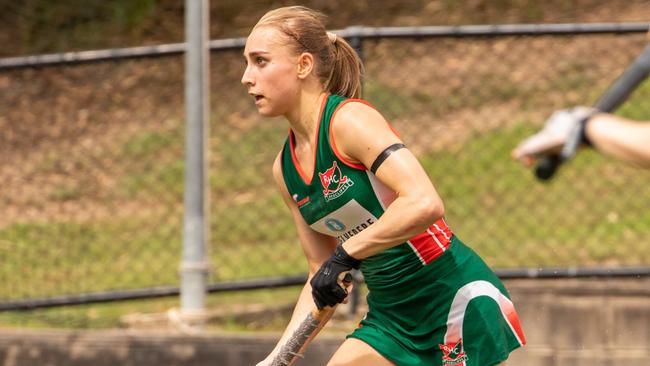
(453, 311)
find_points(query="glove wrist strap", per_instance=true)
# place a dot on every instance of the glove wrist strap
(343, 257)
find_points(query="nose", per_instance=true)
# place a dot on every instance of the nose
(247, 79)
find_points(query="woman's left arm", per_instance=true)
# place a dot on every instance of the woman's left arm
(361, 134)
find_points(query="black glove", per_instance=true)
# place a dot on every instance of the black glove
(325, 286)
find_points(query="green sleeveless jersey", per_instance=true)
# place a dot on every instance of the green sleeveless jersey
(342, 199)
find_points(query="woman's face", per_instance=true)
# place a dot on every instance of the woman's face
(271, 74)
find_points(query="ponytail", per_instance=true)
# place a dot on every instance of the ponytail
(346, 70)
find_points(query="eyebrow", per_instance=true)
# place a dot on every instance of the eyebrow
(256, 53)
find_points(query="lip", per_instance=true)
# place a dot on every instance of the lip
(258, 97)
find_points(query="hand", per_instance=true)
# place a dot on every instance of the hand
(325, 285)
(558, 130)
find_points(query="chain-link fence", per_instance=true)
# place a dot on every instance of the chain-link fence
(92, 161)
(92, 177)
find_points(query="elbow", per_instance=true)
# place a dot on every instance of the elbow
(430, 209)
(436, 209)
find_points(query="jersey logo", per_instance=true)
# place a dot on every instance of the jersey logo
(452, 353)
(334, 182)
(334, 225)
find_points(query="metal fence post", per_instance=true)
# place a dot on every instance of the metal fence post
(195, 266)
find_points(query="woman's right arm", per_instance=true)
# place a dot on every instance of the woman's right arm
(317, 248)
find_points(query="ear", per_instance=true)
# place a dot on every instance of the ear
(305, 65)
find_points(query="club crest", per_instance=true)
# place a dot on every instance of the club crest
(453, 353)
(334, 182)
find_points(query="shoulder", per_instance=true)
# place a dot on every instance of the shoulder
(356, 115)
(359, 132)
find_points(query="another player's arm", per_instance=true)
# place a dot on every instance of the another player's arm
(620, 138)
(317, 248)
(361, 134)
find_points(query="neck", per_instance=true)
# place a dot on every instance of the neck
(303, 120)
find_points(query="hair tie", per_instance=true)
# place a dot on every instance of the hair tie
(332, 37)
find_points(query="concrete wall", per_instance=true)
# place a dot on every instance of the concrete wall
(142, 348)
(595, 322)
(590, 322)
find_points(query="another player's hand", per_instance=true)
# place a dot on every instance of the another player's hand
(553, 136)
(326, 284)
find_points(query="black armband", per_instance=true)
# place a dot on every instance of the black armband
(384, 155)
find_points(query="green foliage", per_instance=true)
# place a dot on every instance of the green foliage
(157, 164)
(393, 101)
(161, 178)
(73, 26)
(112, 315)
(242, 159)
(94, 256)
(66, 193)
(149, 143)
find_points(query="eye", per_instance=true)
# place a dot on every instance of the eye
(260, 60)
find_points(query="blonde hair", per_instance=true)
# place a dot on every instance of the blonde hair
(338, 66)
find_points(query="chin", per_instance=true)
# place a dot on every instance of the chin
(268, 112)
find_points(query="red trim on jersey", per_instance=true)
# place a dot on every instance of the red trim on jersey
(296, 163)
(432, 242)
(331, 135)
(303, 201)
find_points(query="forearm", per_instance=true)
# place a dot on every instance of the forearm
(403, 219)
(620, 138)
(303, 307)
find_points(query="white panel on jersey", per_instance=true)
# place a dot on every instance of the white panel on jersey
(386, 195)
(345, 222)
